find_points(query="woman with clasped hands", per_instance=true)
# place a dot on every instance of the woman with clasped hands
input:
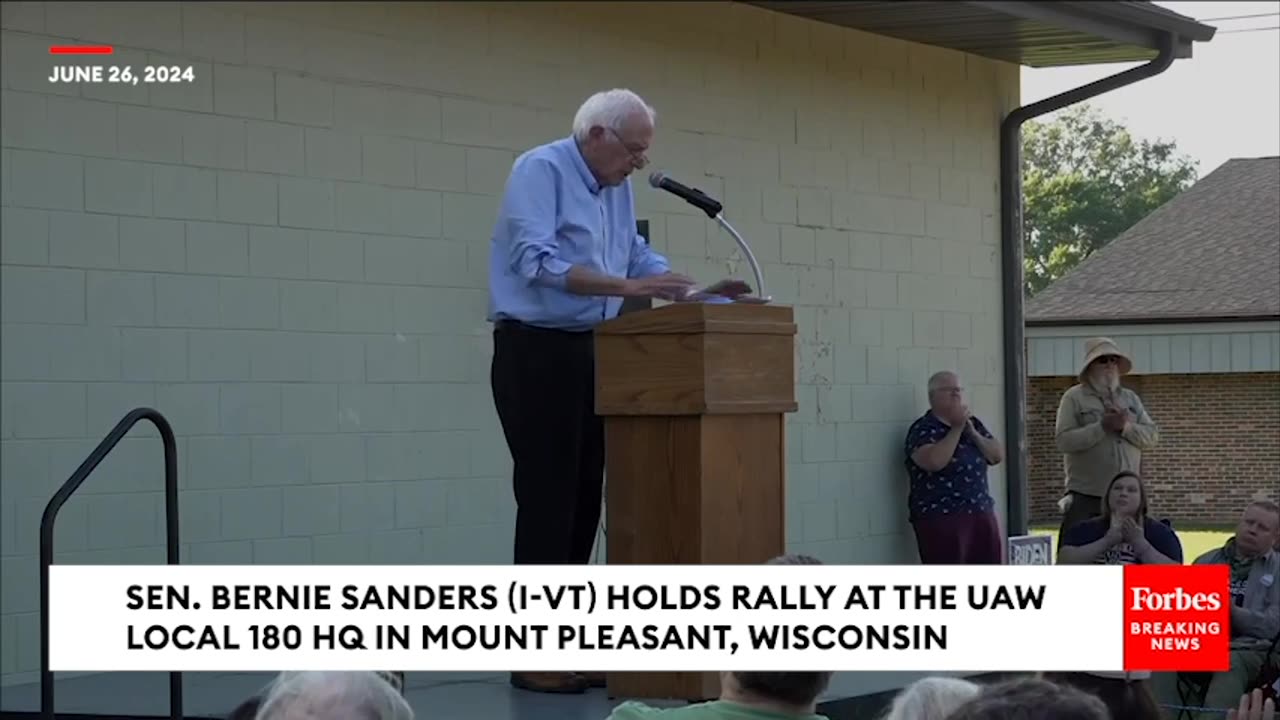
(1122, 534)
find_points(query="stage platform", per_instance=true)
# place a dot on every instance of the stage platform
(434, 696)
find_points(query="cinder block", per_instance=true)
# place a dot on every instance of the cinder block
(956, 329)
(249, 303)
(280, 461)
(336, 358)
(926, 256)
(340, 549)
(799, 245)
(221, 553)
(120, 299)
(312, 510)
(338, 459)
(282, 551)
(362, 208)
(247, 198)
(215, 142)
(186, 301)
(125, 521)
(252, 513)
(185, 193)
(148, 355)
(82, 127)
(43, 410)
(130, 24)
(149, 134)
(249, 409)
(895, 253)
(24, 236)
(42, 295)
(221, 356)
(276, 148)
(25, 121)
(278, 357)
(814, 208)
(278, 252)
(391, 359)
(467, 217)
(415, 212)
(215, 248)
(311, 306)
(896, 328)
(389, 161)
(421, 503)
(333, 154)
(84, 240)
(303, 100)
(440, 166)
(393, 259)
(118, 187)
(244, 92)
(192, 409)
(155, 245)
(781, 205)
(928, 329)
(487, 170)
(28, 16)
(48, 180)
(306, 203)
(195, 95)
(275, 42)
(209, 33)
(310, 408)
(335, 256)
(109, 402)
(201, 515)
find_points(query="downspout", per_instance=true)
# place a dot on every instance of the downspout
(1011, 243)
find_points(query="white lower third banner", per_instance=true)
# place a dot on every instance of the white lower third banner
(602, 617)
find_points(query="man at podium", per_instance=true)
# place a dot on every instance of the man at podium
(565, 253)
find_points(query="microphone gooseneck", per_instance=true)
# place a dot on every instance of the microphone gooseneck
(713, 209)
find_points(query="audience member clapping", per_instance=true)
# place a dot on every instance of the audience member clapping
(1123, 533)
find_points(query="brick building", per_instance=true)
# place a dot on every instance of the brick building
(286, 254)
(1192, 292)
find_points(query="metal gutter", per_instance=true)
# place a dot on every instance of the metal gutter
(1011, 264)
(1140, 320)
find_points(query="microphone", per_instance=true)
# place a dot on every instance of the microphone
(693, 196)
(712, 208)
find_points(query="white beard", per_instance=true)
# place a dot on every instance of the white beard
(1104, 383)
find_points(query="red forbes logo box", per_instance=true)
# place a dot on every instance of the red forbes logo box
(1177, 617)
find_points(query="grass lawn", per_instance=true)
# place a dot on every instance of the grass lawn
(1194, 542)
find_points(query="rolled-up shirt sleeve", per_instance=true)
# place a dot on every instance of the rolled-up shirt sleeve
(528, 223)
(645, 261)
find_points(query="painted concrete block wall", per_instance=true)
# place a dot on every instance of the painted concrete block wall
(287, 257)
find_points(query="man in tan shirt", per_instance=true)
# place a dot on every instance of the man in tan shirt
(1102, 430)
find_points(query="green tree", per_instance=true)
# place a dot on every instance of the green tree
(1085, 180)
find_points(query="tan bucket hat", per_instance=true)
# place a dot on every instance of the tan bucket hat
(1098, 347)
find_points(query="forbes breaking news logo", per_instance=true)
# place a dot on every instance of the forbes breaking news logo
(1177, 618)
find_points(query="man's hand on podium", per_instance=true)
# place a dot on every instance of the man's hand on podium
(728, 288)
(667, 286)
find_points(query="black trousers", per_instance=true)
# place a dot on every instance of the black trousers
(1083, 507)
(543, 385)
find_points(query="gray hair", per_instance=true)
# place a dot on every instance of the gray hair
(931, 698)
(936, 379)
(336, 695)
(609, 109)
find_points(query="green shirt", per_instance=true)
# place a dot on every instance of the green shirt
(715, 710)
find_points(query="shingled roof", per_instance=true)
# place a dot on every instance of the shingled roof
(1211, 253)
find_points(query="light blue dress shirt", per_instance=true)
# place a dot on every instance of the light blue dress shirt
(555, 215)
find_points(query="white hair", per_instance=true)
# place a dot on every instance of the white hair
(931, 698)
(333, 695)
(609, 109)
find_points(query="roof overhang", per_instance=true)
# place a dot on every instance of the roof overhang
(1036, 34)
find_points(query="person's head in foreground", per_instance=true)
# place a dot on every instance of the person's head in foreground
(1032, 699)
(613, 129)
(1258, 531)
(931, 698)
(1126, 497)
(333, 696)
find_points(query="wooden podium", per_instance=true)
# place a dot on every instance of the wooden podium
(693, 398)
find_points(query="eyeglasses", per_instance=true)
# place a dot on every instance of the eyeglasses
(638, 157)
(1108, 360)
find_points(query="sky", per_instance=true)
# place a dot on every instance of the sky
(1222, 103)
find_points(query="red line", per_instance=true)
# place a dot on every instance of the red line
(81, 50)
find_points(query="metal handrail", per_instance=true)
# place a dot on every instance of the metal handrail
(46, 539)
